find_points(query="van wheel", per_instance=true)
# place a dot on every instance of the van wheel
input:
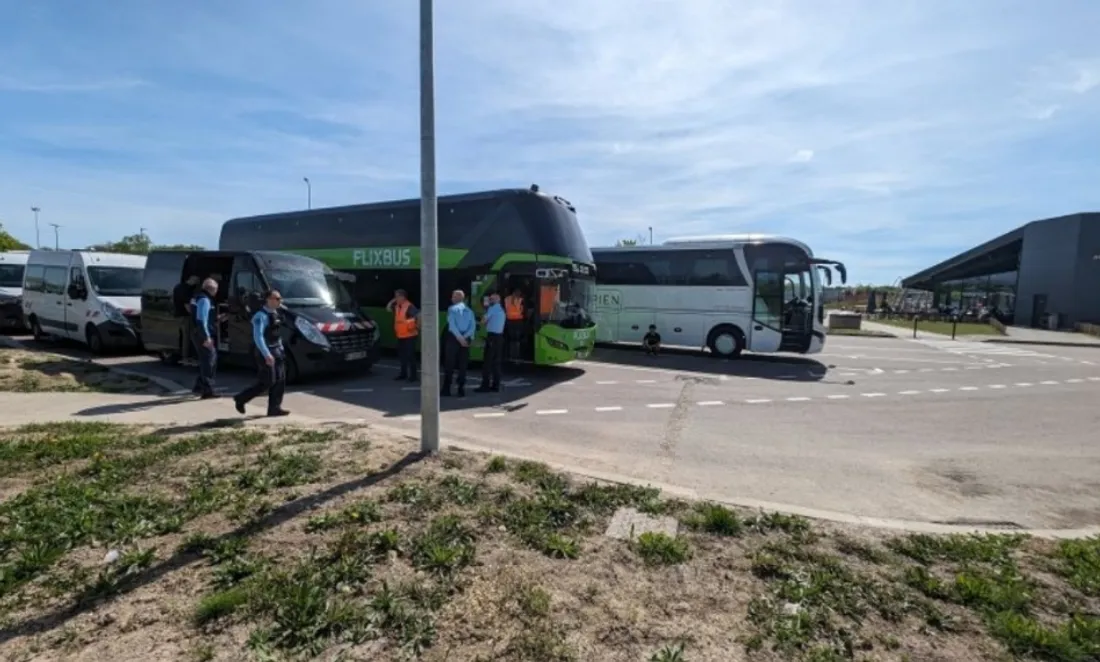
(36, 330)
(726, 341)
(292, 373)
(94, 340)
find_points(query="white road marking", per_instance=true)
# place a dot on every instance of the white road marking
(996, 386)
(1023, 384)
(908, 392)
(607, 382)
(662, 405)
(551, 412)
(950, 369)
(838, 397)
(710, 403)
(489, 414)
(758, 401)
(1048, 382)
(938, 390)
(1094, 379)
(872, 395)
(645, 381)
(609, 408)
(901, 372)
(968, 388)
(1075, 380)
(798, 399)
(411, 417)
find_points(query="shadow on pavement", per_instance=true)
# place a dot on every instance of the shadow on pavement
(785, 367)
(142, 405)
(278, 516)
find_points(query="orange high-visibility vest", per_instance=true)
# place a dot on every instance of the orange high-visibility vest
(403, 326)
(513, 309)
(548, 299)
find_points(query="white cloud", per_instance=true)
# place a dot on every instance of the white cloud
(684, 116)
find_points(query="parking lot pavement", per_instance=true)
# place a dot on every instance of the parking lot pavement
(873, 427)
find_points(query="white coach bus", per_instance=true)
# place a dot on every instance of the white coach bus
(725, 293)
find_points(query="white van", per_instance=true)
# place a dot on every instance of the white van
(94, 298)
(12, 264)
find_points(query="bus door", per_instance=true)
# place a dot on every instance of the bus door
(522, 347)
(765, 334)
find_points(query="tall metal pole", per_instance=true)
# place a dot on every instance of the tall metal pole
(429, 243)
(651, 235)
(309, 193)
(56, 240)
(37, 234)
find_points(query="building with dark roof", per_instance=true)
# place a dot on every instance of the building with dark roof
(1043, 274)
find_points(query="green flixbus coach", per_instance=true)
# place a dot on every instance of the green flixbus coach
(499, 241)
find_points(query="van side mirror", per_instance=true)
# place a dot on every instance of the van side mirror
(77, 292)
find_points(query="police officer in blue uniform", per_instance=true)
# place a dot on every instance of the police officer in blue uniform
(270, 357)
(205, 316)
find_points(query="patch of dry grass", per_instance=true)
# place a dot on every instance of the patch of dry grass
(24, 371)
(120, 543)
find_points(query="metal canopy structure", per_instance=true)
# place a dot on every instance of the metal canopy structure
(994, 256)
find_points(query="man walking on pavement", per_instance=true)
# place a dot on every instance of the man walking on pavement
(461, 326)
(270, 358)
(202, 337)
(405, 328)
(494, 345)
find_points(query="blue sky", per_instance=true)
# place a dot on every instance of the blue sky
(889, 135)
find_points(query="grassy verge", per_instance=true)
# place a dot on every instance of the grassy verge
(24, 371)
(944, 328)
(331, 543)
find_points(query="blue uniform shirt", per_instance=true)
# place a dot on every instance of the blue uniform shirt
(202, 315)
(494, 318)
(259, 324)
(460, 320)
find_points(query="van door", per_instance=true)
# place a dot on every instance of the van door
(51, 310)
(245, 293)
(77, 310)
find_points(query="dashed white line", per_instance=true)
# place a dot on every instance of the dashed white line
(798, 399)
(1094, 379)
(489, 414)
(645, 381)
(873, 395)
(551, 412)
(1074, 381)
(1024, 384)
(908, 392)
(996, 386)
(950, 369)
(838, 396)
(1048, 382)
(607, 382)
(758, 401)
(938, 390)
(661, 405)
(411, 417)
(901, 372)
(602, 409)
(710, 403)
(968, 388)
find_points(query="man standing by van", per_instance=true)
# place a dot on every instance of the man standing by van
(405, 329)
(205, 318)
(270, 358)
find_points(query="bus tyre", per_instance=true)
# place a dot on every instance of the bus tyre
(726, 341)
(94, 340)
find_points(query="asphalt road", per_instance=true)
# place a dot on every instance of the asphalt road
(950, 432)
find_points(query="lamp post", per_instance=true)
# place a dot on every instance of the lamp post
(309, 193)
(56, 240)
(429, 242)
(37, 235)
(651, 235)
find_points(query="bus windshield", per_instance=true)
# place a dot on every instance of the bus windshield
(115, 281)
(564, 301)
(11, 275)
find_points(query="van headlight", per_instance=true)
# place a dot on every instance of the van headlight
(310, 332)
(114, 314)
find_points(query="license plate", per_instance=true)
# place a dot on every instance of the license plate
(355, 356)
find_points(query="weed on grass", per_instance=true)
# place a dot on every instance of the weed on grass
(715, 519)
(662, 549)
(365, 511)
(669, 654)
(1079, 562)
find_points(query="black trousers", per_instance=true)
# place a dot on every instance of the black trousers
(514, 332)
(208, 366)
(270, 379)
(406, 355)
(491, 363)
(455, 358)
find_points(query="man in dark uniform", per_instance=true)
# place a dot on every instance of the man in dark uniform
(205, 316)
(270, 358)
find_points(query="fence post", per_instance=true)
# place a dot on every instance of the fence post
(915, 321)
(954, 326)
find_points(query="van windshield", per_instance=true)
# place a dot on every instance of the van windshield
(115, 281)
(11, 275)
(309, 288)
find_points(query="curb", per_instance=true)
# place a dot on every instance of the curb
(1043, 343)
(166, 384)
(909, 526)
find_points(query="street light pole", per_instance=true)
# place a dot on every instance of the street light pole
(56, 240)
(309, 193)
(37, 235)
(429, 243)
(651, 235)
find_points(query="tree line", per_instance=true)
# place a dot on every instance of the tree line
(134, 244)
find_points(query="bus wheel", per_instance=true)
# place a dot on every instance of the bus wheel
(726, 341)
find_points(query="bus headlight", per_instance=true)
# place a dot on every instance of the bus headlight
(556, 344)
(310, 332)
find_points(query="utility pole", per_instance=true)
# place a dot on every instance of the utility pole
(56, 240)
(309, 193)
(429, 243)
(651, 235)
(37, 234)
